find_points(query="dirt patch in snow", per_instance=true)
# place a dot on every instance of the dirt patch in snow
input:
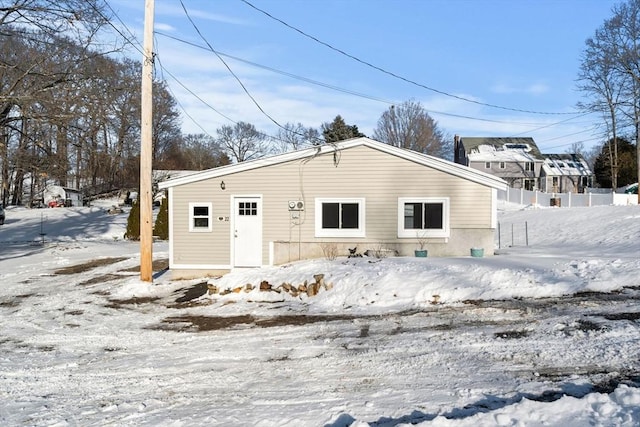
(511, 335)
(123, 303)
(157, 265)
(196, 291)
(101, 279)
(89, 265)
(622, 316)
(214, 323)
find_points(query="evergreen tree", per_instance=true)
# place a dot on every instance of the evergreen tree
(133, 222)
(161, 227)
(626, 169)
(338, 130)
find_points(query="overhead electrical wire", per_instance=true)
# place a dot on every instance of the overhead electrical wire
(397, 76)
(133, 41)
(343, 90)
(137, 45)
(186, 12)
(195, 122)
(235, 76)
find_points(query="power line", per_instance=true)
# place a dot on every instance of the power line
(343, 90)
(184, 110)
(397, 76)
(137, 45)
(240, 81)
(228, 68)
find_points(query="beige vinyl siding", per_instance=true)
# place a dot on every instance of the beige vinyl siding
(361, 172)
(201, 248)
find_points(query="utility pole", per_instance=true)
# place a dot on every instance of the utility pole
(146, 149)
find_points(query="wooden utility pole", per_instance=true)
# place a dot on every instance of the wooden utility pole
(146, 149)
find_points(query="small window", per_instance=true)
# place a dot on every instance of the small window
(487, 165)
(248, 208)
(425, 217)
(529, 166)
(529, 184)
(200, 215)
(340, 218)
(502, 165)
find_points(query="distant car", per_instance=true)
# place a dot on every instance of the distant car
(1, 215)
(632, 189)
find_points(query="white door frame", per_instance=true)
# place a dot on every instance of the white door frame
(254, 237)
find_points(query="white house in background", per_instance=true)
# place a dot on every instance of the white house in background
(63, 195)
(565, 173)
(516, 160)
(323, 201)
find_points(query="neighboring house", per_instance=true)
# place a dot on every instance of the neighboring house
(61, 196)
(324, 200)
(565, 173)
(516, 160)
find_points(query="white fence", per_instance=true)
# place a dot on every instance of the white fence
(526, 197)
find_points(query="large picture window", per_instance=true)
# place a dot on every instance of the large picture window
(340, 217)
(423, 217)
(200, 217)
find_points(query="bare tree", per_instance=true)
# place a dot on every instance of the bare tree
(601, 79)
(242, 141)
(201, 152)
(44, 46)
(610, 76)
(295, 136)
(166, 124)
(410, 126)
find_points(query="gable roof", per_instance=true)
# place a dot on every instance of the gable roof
(413, 156)
(500, 148)
(566, 164)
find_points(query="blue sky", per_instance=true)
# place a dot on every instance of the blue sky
(456, 57)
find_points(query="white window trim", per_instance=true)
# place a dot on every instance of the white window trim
(193, 229)
(337, 232)
(413, 233)
(503, 165)
(487, 165)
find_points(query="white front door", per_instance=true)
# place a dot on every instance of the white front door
(247, 232)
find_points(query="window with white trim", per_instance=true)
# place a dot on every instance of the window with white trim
(423, 217)
(200, 217)
(503, 165)
(340, 217)
(487, 165)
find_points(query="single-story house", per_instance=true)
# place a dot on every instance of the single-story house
(61, 196)
(324, 200)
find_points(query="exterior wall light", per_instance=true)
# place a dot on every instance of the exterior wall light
(222, 185)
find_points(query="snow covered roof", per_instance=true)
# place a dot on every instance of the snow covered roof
(490, 153)
(491, 149)
(565, 164)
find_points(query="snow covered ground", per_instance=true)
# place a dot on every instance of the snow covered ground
(545, 334)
